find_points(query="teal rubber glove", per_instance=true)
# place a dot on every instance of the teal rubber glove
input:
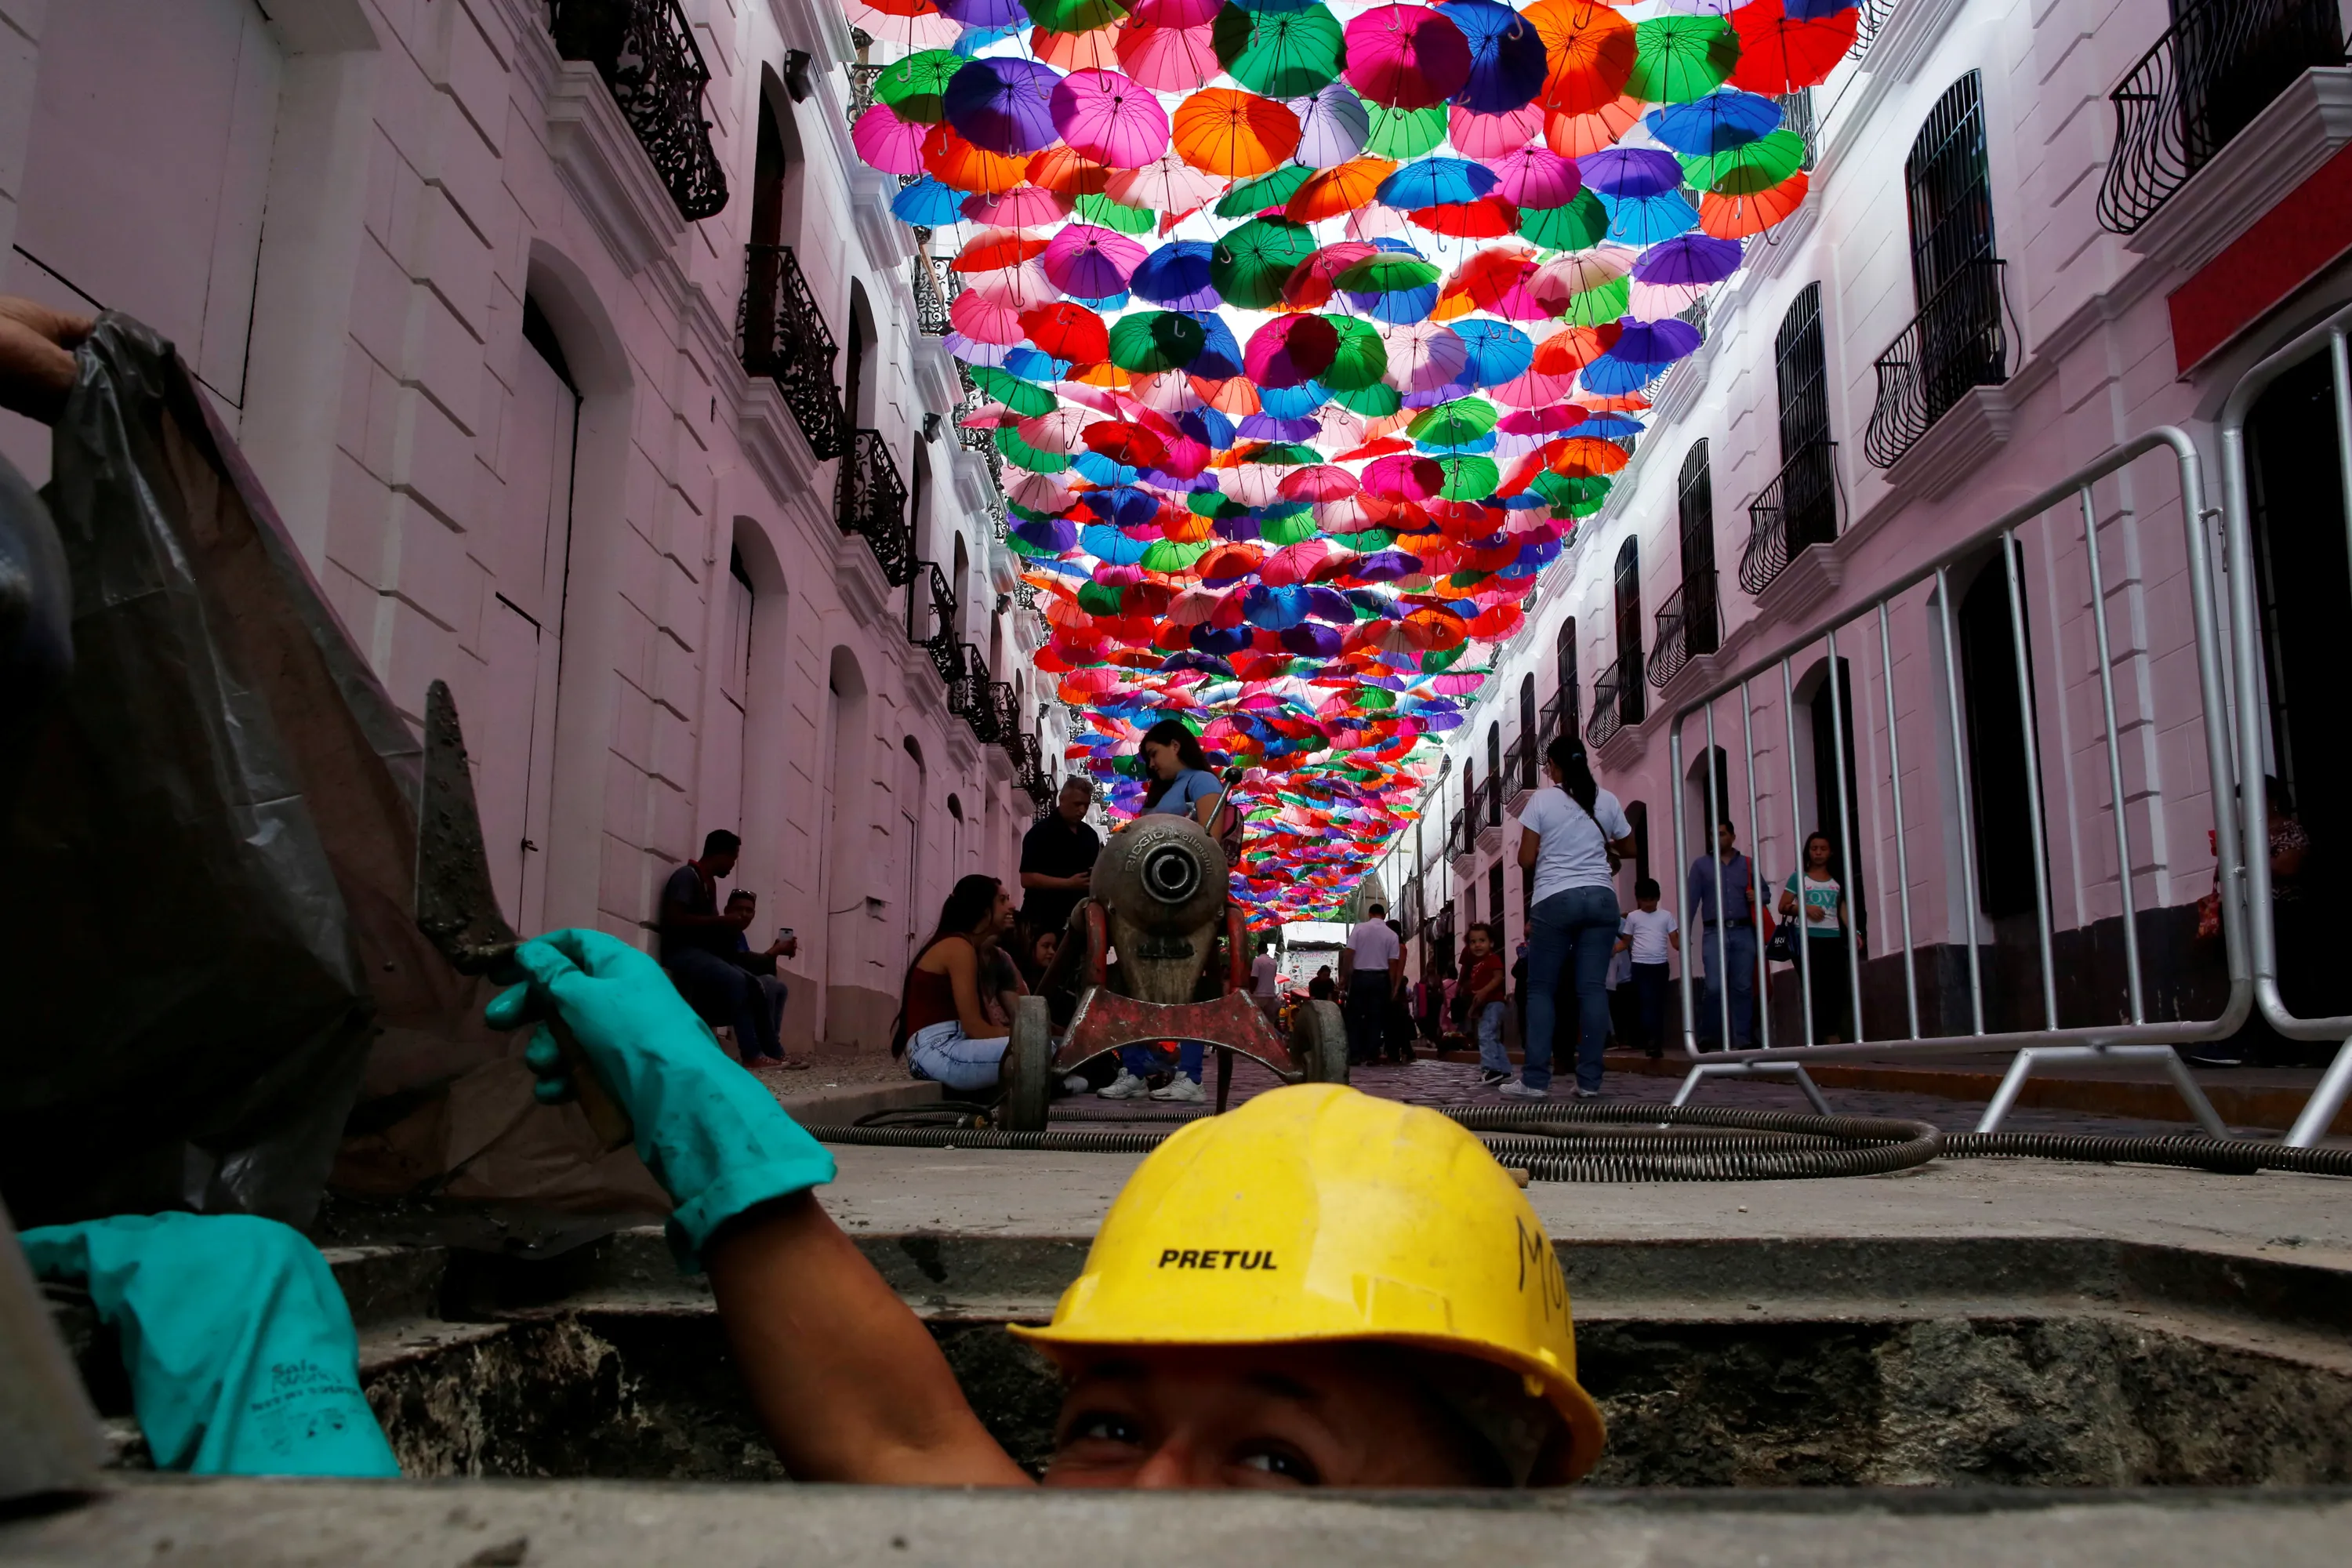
(710, 1132)
(242, 1357)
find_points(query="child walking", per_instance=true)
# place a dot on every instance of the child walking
(1486, 983)
(1649, 935)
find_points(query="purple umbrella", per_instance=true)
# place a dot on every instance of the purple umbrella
(1004, 105)
(1091, 262)
(1385, 566)
(1654, 342)
(984, 13)
(1266, 427)
(1688, 259)
(1310, 641)
(1612, 171)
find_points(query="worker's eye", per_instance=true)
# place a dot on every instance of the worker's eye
(1103, 1426)
(1282, 1461)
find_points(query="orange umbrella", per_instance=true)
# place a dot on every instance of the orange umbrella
(958, 165)
(1574, 135)
(1094, 50)
(1067, 172)
(1338, 191)
(1737, 217)
(1234, 395)
(1588, 456)
(1222, 130)
(1589, 49)
(1567, 351)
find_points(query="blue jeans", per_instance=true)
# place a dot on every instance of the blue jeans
(1575, 928)
(1143, 1061)
(946, 1054)
(1739, 957)
(1491, 1055)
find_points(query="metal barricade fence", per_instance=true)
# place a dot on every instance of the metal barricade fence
(1942, 726)
(2247, 660)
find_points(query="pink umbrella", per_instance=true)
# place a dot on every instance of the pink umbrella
(1319, 482)
(1023, 207)
(1091, 262)
(1402, 475)
(1373, 221)
(1177, 13)
(1491, 135)
(1038, 492)
(1169, 60)
(1017, 289)
(1251, 484)
(1536, 177)
(1110, 118)
(1290, 351)
(1532, 389)
(975, 315)
(1421, 355)
(1167, 185)
(1293, 563)
(1058, 431)
(887, 142)
(1407, 57)
(1195, 606)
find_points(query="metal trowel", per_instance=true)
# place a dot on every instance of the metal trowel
(457, 911)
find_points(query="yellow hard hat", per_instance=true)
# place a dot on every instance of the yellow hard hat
(1317, 1212)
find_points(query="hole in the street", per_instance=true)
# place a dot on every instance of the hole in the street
(1752, 1364)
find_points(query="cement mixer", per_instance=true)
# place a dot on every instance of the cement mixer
(1158, 953)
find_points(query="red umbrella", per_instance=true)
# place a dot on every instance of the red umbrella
(1407, 57)
(1778, 55)
(1067, 331)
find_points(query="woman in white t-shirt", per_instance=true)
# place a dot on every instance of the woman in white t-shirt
(1566, 834)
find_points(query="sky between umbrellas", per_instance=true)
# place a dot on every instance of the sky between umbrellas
(1308, 332)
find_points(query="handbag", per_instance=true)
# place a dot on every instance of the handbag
(1777, 947)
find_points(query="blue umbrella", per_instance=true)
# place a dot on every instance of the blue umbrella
(1647, 220)
(1630, 171)
(1218, 639)
(1035, 364)
(1096, 469)
(1050, 537)
(1498, 350)
(1208, 663)
(1815, 10)
(1716, 123)
(1608, 427)
(1437, 182)
(1328, 605)
(1688, 259)
(1103, 304)
(975, 39)
(1274, 608)
(1177, 276)
(1208, 427)
(1221, 354)
(1613, 378)
(1105, 543)
(1124, 506)
(927, 204)
(1292, 402)
(1507, 57)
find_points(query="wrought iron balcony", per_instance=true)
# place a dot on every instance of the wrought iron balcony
(1797, 509)
(870, 501)
(1521, 769)
(784, 338)
(1875, 15)
(2219, 64)
(1610, 702)
(970, 696)
(1458, 835)
(1688, 627)
(1029, 773)
(646, 52)
(1409, 905)
(1004, 711)
(935, 289)
(1490, 802)
(931, 619)
(1958, 340)
(1441, 935)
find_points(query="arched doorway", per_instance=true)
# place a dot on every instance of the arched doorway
(2000, 773)
(1627, 583)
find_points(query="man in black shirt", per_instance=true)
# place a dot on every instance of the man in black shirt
(697, 948)
(1057, 858)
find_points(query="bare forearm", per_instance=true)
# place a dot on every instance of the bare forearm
(848, 1384)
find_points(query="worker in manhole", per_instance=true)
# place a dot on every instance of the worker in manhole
(1319, 1289)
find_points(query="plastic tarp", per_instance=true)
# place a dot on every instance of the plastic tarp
(216, 995)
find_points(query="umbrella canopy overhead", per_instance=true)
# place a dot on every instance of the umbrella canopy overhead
(1305, 332)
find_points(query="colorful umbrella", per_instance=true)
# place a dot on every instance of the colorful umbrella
(1110, 118)
(1780, 54)
(1509, 62)
(1002, 105)
(1406, 56)
(1678, 59)
(1220, 131)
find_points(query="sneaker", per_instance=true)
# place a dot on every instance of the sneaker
(1075, 1084)
(1587, 1094)
(1517, 1088)
(1182, 1088)
(1126, 1085)
(1492, 1078)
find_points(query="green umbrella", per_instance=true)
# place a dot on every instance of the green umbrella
(1252, 263)
(1021, 454)
(1267, 191)
(1361, 358)
(1210, 503)
(1025, 398)
(1101, 209)
(1367, 540)
(1372, 401)
(1565, 489)
(1388, 273)
(1281, 54)
(1403, 134)
(1468, 478)
(1578, 226)
(1156, 339)
(916, 87)
(1075, 15)
(1743, 171)
(1280, 530)
(1453, 423)
(1599, 306)
(1281, 454)
(1098, 599)
(1167, 555)
(1677, 60)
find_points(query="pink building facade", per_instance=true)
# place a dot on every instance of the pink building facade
(449, 296)
(1990, 285)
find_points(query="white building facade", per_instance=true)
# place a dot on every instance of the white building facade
(2034, 231)
(555, 384)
